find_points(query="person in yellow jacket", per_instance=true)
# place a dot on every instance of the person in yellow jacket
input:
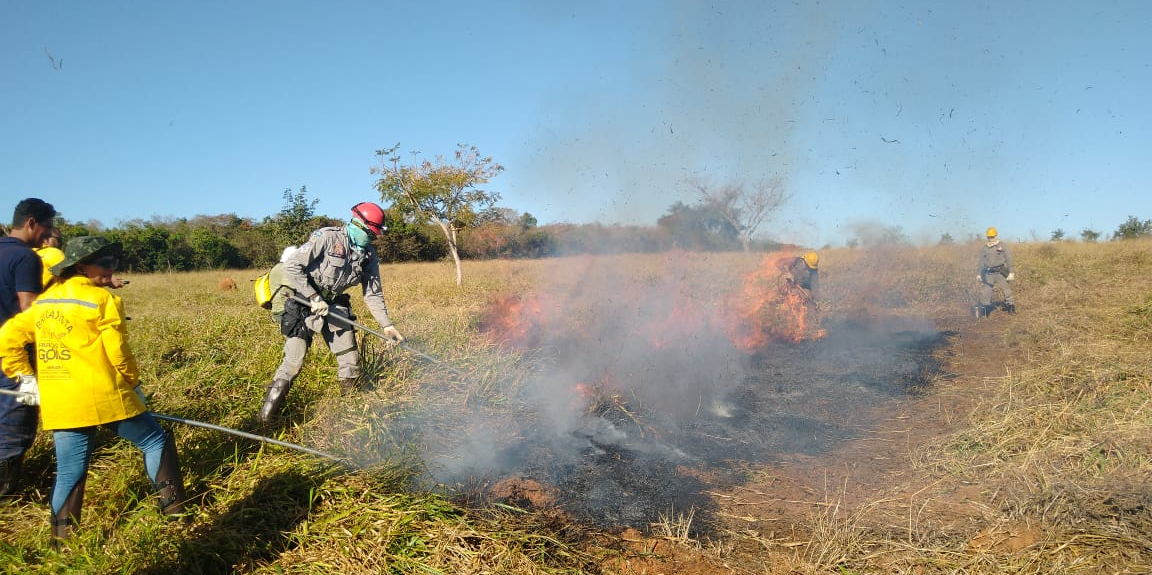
(85, 377)
(51, 254)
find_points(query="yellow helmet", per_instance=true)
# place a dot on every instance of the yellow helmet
(812, 259)
(49, 256)
(991, 232)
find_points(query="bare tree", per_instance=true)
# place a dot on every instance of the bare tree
(746, 209)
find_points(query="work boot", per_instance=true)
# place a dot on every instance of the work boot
(274, 400)
(10, 470)
(65, 520)
(169, 481)
(349, 384)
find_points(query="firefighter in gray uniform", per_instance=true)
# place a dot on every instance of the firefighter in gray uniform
(995, 272)
(331, 261)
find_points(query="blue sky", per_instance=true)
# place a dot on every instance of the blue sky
(936, 116)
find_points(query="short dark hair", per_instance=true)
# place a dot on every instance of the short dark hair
(35, 208)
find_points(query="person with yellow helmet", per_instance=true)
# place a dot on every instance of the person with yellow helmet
(805, 272)
(995, 272)
(50, 254)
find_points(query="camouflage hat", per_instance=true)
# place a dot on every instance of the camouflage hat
(84, 248)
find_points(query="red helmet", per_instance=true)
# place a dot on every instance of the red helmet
(370, 215)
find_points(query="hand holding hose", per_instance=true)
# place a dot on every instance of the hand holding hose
(318, 306)
(30, 388)
(392, 334)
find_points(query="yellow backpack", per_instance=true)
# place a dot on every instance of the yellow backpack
(263, 290)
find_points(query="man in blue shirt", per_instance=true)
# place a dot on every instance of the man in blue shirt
(21, 277)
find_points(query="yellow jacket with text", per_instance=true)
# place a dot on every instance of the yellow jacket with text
(85, 369)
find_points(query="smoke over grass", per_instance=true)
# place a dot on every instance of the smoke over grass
(608, 377)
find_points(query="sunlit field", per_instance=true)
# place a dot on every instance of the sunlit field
(1053, 450)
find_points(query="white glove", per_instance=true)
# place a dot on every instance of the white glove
(319, 307)
(979, 278)
(29, 386)
(314, 323)
(1011, 276)
(393, 334)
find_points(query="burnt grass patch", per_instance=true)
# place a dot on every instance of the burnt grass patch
(636, 467)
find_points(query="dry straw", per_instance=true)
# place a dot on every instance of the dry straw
(1055, 446)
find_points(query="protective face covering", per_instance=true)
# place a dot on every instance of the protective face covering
(359, 237)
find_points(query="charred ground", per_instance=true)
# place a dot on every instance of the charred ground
(805, 398)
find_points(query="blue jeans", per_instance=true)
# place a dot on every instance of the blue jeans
(74, 452)
(17, 422)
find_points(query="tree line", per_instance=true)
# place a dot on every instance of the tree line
(229, 241)
(1131, 229)
(438, 210)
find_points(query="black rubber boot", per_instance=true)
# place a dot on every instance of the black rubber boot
(169, 481)
(67, 518)
(274, 399)
(10, 470)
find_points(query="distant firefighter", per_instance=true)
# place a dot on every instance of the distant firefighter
(804, 272)
(995, 272)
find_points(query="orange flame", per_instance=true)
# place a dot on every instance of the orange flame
(770, 307)
(517, 319)
(767, 307)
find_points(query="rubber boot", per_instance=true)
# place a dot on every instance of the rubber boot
(67, 518)
(169, 481)
(274, 399)
(348, 384)
(10, 470)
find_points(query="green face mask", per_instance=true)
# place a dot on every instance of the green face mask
(358, 236)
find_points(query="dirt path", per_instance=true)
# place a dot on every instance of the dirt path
(871, 477)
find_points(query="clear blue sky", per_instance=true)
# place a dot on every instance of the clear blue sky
(938, 117)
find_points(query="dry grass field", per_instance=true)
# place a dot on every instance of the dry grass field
(1025, 448)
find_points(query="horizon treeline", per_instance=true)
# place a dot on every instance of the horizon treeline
(227, 241)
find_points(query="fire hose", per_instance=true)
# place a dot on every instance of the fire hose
(265, 439)
(386, 339)
(228, 430)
